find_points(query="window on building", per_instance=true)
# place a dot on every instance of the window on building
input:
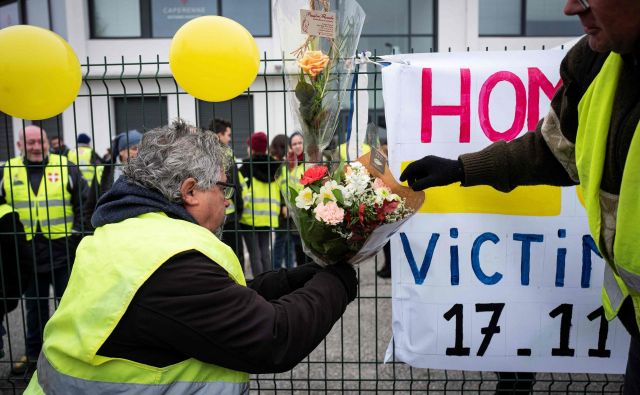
(9, 14)
(239, 112)
(6, 138)
(34, 12)
(162, 18)
(526, 18)
(140, 112)
(408, 26)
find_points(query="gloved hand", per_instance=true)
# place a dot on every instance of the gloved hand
(299, 275)
(432, 171)
(347, 275)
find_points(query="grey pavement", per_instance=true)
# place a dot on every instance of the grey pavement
(350, 360)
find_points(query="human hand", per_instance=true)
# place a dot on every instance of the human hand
(432, 171)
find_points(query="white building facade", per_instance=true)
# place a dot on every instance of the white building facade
(124, 45)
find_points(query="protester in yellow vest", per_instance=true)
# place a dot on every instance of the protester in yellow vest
(261, 202)
(85, 157)
(589, 137)
(157, 304)
(231, 235)
(51, 199)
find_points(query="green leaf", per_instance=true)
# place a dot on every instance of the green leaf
(315, 188)
(339, 197)
(305, 92)
(293, 194)
(338, 173)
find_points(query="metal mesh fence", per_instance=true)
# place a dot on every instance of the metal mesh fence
(118, 96)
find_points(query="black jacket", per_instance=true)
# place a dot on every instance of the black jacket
(190, 308)
(17, 262)
(261, 167)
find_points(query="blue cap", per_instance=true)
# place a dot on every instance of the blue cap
(126, 140)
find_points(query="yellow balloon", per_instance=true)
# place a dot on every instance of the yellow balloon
(214, 58)
(39, 72)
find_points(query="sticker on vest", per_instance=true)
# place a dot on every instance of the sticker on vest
(53, 177)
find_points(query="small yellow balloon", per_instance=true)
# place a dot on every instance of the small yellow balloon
(40, 73)
(214, 58)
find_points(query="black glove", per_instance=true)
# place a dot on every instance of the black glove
(347, 275)
(432, 171)
(298, 276)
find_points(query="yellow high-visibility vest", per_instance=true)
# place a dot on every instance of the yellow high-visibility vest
(622, 275)
(261, 204)
(81, 156)
(108, 271)
(51, 207)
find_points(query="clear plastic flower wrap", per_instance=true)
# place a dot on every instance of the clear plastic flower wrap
(349, 213)
(318, 78)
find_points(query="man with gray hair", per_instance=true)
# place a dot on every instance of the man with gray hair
(157, 304)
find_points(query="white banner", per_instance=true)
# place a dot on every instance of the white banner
(484, 280)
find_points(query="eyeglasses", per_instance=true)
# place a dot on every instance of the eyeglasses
(227, 189)
(584, 4)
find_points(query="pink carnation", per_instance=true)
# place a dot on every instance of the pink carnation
(378, 183)
(329, 213)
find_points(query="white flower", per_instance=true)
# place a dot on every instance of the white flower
(305, 199)
(383, 194)
(357, 181)
(326, 192)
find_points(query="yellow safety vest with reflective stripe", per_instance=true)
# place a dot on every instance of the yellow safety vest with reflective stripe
(261, 204)
(622, 276)
(109, 269)
(343, 151)
(242, 185)
(290, 178)
(51, 207)
(81, 156)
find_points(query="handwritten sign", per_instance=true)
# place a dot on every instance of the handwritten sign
(484, 280)
(318, 23)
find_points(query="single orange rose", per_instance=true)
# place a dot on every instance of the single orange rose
(313, 62)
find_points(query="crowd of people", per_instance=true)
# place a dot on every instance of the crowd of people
(156, 302)
(50, 192)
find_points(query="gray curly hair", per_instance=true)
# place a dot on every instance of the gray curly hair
(169, 155)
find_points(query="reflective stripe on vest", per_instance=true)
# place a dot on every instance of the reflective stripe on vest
(81, 156)
(261, 204)
(51, 207)
(594, 117)
(109, 269)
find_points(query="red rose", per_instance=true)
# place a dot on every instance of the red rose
(361, 213)
(313, 174)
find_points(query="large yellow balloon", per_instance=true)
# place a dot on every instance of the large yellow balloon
(39, 72)
(214, 58)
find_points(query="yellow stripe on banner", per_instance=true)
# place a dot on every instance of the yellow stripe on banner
(539, 200)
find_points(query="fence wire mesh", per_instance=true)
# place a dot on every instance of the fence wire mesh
(119, 95)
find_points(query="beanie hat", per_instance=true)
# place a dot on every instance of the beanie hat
(258, 142)
(126, 140)
(83, 139)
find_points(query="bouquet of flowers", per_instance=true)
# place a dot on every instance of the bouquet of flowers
(323, 42)
(350, 214)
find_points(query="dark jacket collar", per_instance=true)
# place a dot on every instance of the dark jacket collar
(127, 200)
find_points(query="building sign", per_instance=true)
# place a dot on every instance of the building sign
(169, 15)
(484, 280)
